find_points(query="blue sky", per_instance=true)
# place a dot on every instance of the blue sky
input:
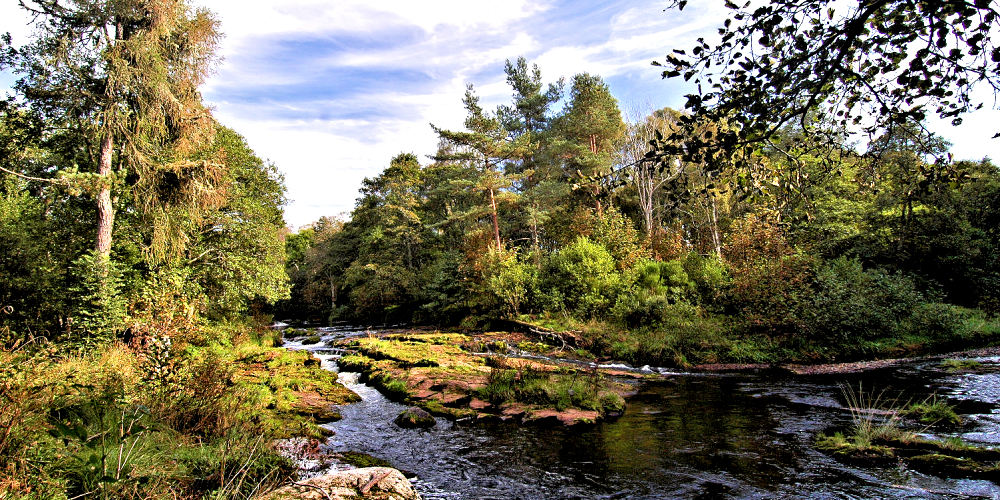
(331, 91)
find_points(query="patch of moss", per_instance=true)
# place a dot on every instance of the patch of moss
(362, 460)
(310, 340)
(956, 365)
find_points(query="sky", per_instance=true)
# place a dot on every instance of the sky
(330, 91)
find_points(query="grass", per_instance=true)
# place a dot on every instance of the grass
(877, 433)
(933, 411)
(510, 382)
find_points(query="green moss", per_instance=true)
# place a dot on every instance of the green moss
(362, 460)
(955, 365)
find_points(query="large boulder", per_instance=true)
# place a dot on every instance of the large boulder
(415, 418)
(372, 483)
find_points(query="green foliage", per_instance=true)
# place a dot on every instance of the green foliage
(507, 281)
(102, 306)
(710, 276)
(617, 234)
(851, 304)
(582, 277)
(934, 411)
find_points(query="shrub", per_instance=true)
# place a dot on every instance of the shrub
(768, 294)
(506, 281)
(851, 304)
(937, 320)
(710, 275)
(583, 277)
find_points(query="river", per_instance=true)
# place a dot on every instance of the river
(693, 436)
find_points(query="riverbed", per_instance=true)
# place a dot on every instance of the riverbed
(689, 435)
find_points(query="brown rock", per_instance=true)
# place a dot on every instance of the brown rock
(477, 404)
(382, 483)
(565, 417)
(424, 394)
(454, 400)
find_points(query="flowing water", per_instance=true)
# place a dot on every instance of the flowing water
(690, 436)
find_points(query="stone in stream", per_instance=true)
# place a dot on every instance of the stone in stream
(380, 483)
(415, 418)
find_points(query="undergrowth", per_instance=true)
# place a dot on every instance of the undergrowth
(146, 421)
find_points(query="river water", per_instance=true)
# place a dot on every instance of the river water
(692, 436)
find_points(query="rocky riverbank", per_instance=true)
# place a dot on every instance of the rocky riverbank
(371, 483)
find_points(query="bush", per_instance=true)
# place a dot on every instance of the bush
(852, 305)
(505, 281)
(710, 276)
(937, 320)
(582, 276)
(768, 294)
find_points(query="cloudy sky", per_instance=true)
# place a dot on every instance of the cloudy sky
(330, 91)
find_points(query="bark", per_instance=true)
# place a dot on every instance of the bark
(496, 225)
(105, 211)
(716, 240)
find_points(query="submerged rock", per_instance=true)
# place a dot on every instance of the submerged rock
(378, 483)
(415, 418)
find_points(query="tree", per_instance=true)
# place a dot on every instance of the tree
(486, 147)
(590, 127)
(530, 112)
(873, 64)
(647, 176)
(238, 250)
(125, 76)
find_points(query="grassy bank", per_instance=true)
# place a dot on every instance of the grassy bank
(691, 337)
(160, 421)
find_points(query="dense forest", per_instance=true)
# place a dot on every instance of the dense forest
(144, 254)
(557, 215)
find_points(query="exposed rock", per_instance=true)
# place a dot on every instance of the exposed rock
(455, 400)
(565, 417)
(415, 418)
(373, 483)
(423, 394)
(313, 404)
(477, 404)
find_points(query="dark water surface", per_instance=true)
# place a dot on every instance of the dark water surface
(692, 436)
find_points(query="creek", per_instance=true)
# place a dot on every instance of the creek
(694, 436)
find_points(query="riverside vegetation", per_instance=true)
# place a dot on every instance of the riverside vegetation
(143, 246)
(884, 434)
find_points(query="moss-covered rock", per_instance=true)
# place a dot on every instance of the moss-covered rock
(415, 418)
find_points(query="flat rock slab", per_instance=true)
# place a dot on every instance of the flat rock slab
(372, 483)
(565, 417)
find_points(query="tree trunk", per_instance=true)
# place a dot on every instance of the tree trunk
(105, 211)
(716, 240)
(496, 225)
